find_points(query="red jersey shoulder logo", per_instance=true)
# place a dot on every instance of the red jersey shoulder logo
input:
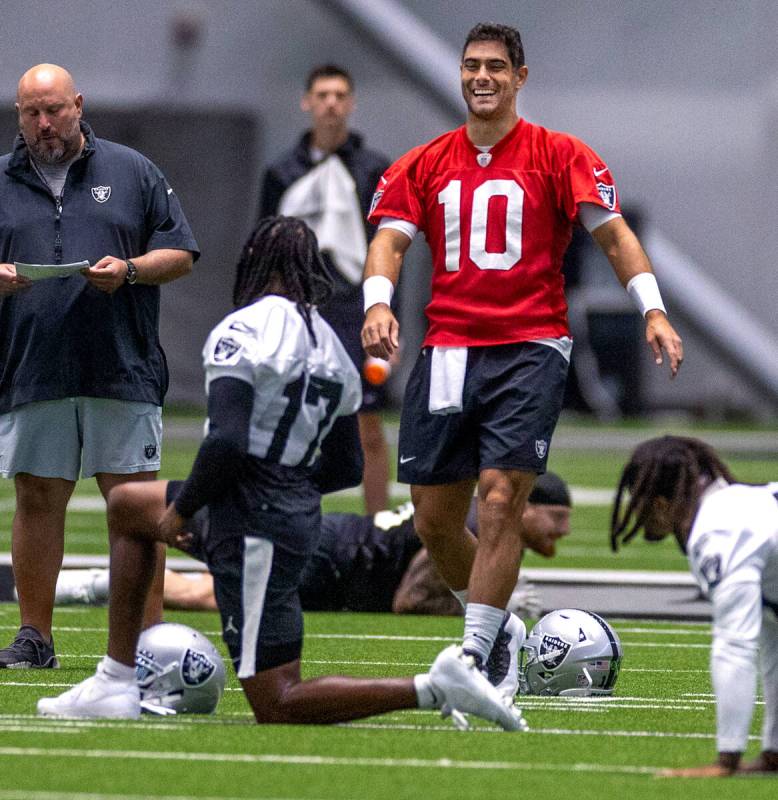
(607, 194)
(379, 193)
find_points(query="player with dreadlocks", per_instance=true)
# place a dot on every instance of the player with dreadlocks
(281, 389)
(282, 254)
(729, 532)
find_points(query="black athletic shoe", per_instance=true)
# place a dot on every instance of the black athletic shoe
(28, 651)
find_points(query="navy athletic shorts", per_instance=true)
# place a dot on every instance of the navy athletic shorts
(256, 575)
(511, 402)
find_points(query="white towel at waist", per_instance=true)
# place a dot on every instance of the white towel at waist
(447, 379)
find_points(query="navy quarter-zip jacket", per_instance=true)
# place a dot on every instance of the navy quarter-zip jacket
(62, 337)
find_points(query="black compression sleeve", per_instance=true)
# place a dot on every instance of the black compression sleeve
(219, 459)
(341, 462)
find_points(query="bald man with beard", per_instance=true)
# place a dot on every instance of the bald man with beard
(82, 372)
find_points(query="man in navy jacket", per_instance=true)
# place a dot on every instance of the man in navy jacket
(82, 372)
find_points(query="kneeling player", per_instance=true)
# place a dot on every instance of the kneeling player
(729, 532)
(278, 382)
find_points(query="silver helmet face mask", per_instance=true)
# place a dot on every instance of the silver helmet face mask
(570, 653)
(178, 670)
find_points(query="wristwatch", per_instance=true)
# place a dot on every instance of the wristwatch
(132, 272)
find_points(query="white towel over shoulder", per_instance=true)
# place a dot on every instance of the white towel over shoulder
(447, 379)
(326, 198)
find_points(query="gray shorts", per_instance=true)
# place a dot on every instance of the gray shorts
(57, 438)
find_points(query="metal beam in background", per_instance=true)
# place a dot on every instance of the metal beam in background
(411, 44)
(729, 329)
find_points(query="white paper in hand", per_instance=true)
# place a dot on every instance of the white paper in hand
(37, 272)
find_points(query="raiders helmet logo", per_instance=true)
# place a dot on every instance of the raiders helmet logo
(225, 348)
(552, 651)
(607, 194)
(150, 450)
(541, 447)
(196, 668)
(101, 193)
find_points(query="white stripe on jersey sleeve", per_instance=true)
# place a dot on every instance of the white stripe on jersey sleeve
(592, 216)
(396, 224)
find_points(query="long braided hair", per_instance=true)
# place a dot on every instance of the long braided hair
(676, 468)
(282, 255)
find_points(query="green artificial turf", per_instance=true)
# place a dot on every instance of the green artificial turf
(587, 547)
(662, 715)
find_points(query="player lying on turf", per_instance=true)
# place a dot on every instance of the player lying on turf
(368, 563)
(278, 382)
(729, 531)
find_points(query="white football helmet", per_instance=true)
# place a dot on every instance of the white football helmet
(571, 653)
(179, 671)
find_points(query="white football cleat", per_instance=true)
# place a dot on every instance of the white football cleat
(502, 666)
(466, 691)
(97, 697)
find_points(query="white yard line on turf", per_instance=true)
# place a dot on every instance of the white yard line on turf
(34, 728)
(56, 726)
(664, 671)
(322, 761)
(620, 629)
(38, 795)
(385, 637)
(547, 731)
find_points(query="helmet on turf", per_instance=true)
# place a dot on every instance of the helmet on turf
(571, 653)
(178, 670)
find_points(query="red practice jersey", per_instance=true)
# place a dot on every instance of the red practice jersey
(498, 225)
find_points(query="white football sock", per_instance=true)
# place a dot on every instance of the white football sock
(425, 695)
(461, 595)
(482, 623)
(116, 670)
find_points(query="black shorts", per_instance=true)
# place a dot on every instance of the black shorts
(511, 402)
(256, 575)
(345, 315)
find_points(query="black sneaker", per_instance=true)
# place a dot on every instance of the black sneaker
(29, 651)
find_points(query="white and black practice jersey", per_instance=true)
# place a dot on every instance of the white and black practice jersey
(733, 554)
(299, 388)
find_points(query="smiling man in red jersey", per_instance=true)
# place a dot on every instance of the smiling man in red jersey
(497, 200)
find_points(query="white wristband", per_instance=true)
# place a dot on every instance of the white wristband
(644, 291)
(377, 289)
